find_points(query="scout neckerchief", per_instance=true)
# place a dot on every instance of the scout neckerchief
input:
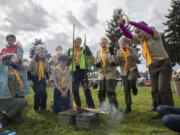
(41, 71)
(146, 53)
(16, 73)
(126, 55)
(104, 58)
(77, 50)
(63, 79)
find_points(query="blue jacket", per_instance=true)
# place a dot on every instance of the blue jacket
(4, 90)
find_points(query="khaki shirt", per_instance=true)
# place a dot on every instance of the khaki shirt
(57, 76)
(12, 82)
(111, 71)
(34, 67)
(132, 59)
(155, 45)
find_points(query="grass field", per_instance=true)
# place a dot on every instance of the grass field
(137, 122)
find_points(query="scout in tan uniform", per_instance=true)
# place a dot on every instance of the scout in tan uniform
(53, 62)
(38, 76)
(126, 57)
(62, 81)
(157, 60)
(107, 74)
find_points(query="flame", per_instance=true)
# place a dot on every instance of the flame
(74, 105)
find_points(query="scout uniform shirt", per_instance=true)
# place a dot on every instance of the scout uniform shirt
(110, 69)
(155, 46)
(58, 75)
(131, 61)
(34, 67)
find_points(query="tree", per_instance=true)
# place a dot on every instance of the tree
(172, 33)
(36, 43)
(113, 32)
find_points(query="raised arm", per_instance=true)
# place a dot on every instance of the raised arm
(87, 51)
(143, 27)
(125, 31)
(123, 28)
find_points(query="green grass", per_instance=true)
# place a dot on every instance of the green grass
(137, 122)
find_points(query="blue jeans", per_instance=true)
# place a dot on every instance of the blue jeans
(61, 103)
(171, 117)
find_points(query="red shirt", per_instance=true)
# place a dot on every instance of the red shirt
(9, 49)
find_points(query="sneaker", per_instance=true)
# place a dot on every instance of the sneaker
(4, 121)
(135, 91)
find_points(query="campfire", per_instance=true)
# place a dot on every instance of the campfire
(80, 117)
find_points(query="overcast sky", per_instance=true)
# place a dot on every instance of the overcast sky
(53, 20)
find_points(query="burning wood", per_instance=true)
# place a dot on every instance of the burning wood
(89, 109)
(97, 111)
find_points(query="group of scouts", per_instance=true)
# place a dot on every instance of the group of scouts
(70, 71)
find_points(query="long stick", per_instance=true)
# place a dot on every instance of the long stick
(71, 106)
(85, 51)
(86, 68)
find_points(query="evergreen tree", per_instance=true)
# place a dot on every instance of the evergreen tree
(172, 33)
(36, 43)
(113, 32)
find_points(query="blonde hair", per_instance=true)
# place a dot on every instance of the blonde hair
(77, 38)
(107, 41)
(125, 39)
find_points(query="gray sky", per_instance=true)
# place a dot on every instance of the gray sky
(52, 21)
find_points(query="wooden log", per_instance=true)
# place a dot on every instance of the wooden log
(96, 111)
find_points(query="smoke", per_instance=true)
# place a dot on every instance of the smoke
(116, 114)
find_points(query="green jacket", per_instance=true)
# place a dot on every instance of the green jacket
(82, 61)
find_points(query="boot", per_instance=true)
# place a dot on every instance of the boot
(135, 91)
(4, 120)
(128, 109)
